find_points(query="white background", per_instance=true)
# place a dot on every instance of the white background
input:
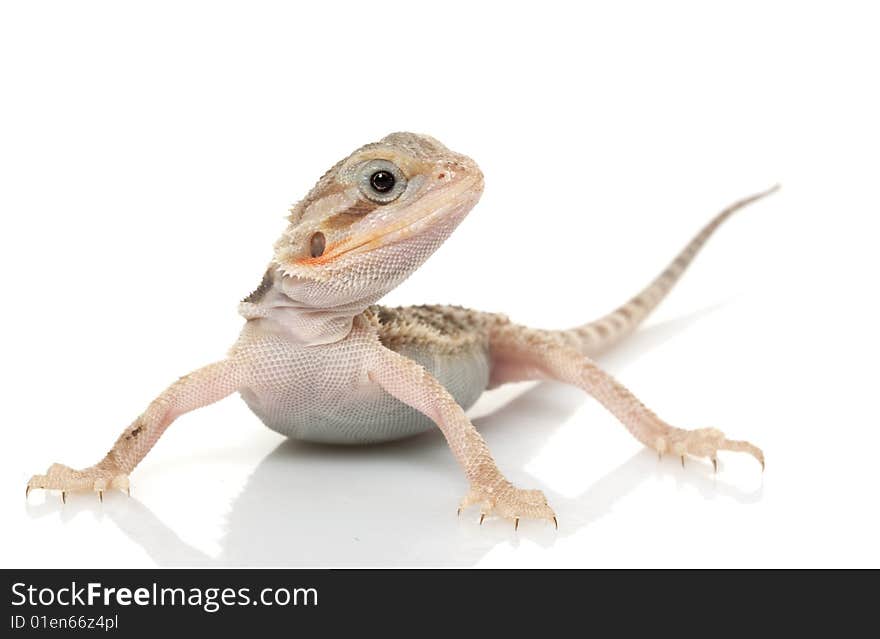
(147, 158)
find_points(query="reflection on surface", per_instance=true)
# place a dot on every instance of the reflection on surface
(394, 504)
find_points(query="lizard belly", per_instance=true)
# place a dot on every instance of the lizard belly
(347, 407)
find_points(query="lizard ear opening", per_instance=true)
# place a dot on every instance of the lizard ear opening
(317, 243)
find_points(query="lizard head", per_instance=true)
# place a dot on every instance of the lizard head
(373, 219)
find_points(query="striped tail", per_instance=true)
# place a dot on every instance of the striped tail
(608, 330)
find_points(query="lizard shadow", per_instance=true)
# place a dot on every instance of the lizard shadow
(308, 505)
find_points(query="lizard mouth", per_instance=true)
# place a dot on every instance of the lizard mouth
(454, 200)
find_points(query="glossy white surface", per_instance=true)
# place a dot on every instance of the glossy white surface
(148, 158)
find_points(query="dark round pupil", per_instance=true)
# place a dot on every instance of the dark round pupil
(382, 181)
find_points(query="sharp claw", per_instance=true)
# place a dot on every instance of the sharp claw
(63, 496)
(682, 461)
(516, 524)
(555, 523)
(128, 490)
(482, 516)
(715, 464)
(101, 496)
(762, 465)
(458, 513)
(27, 491)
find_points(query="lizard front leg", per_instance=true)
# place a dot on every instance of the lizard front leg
(520, 353)
(409, 382)
(200, 388)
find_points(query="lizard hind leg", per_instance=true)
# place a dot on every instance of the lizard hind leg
(519, 353)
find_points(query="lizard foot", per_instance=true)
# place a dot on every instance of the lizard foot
(509, 502)
(67, 480)
(703, 442)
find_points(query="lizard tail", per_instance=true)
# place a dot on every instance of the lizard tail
(608, 330)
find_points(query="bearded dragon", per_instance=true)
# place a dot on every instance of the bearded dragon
(318, 360)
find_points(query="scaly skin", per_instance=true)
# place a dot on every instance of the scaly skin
(318, 360)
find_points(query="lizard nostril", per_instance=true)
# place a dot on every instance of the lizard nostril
(440, 176)
(317, 244)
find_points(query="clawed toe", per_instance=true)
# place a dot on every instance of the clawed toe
(704, 442)
(510, 503)
(66, 480)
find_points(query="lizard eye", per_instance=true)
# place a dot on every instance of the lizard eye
(381, 181)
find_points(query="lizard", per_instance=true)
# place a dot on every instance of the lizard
(318, 360)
